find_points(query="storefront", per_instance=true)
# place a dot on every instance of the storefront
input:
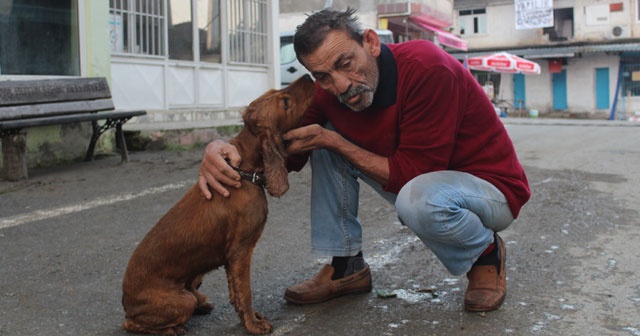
(412, 21)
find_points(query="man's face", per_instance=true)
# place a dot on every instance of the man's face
(346, 69)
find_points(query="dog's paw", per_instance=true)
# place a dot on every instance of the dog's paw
(259, 325)
(180, 330)
(203, 309)
(132, 326)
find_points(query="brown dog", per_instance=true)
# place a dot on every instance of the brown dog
(196, 236)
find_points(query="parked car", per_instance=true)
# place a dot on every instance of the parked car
(385, 36)
(291, 69)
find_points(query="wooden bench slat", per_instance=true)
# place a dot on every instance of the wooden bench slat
(52, 109)
(66, 119)
(17, 92)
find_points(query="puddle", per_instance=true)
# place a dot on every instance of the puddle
(431, 295)
(393, 251)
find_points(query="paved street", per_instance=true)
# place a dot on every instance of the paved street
(573, 263)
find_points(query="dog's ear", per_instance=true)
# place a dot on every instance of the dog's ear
(274, 156)
(250, 117)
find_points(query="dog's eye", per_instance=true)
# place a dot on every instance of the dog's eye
(286, 103)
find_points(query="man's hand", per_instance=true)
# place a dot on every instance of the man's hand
(308, 138)
(216, 172)
(312, 137)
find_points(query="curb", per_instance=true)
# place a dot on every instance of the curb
(177, 135)
(569, 122)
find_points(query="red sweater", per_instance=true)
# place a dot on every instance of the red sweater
(428, 114)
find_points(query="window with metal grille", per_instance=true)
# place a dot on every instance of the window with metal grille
(137, 27)
(209, 30)
(630, 79)
(247, 27)
(472, 21)
(180, 30)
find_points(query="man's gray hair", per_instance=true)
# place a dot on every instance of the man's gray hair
(312, 33)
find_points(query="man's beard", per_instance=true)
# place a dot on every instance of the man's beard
(365, 91)
(366, 97)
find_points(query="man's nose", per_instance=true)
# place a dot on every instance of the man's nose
(342, 83)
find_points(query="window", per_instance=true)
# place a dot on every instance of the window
(630, 78)
(248, 31)
(180, 30)
(39, 38)
(209, 30)
(137, 27)
(472, 21)
(629, 82)
(562, 29)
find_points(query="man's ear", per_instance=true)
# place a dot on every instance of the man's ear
(371, 42)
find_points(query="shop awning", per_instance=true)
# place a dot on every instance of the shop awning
(443, 37)
(560, 51)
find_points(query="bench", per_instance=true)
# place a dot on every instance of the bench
(33, 103)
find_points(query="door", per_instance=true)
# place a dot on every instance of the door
(559, 81)
(602, 88)
(519, 97)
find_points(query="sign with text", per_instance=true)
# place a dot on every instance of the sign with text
(534, 14)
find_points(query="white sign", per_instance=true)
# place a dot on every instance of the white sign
(597, 15)
(534, 14)
(116, 37)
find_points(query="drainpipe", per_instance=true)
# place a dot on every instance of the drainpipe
(612, 114)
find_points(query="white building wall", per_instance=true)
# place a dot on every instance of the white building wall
(247, 85)
(588, 29)
(504, 29)
(581, 85)
(502, 32)
(539, 91)
(581, 81)
(137, 85)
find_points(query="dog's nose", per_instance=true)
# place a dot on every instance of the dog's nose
(286, 143)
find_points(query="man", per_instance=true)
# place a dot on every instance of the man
(412, 122)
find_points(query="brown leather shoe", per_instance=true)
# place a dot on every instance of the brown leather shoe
(321, 288)
(487, 284)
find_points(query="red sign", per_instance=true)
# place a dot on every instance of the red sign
(615, 7)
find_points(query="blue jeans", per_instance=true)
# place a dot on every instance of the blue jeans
(455, 214)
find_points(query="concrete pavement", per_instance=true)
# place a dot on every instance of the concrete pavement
(66, 235)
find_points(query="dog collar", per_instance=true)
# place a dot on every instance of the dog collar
(256, 178)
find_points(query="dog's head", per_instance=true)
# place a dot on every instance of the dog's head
(271, 115)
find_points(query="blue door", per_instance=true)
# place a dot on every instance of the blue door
(602, 88)
(559, 80)
(519, 97)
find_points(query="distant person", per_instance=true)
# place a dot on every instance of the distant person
(409, 120)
